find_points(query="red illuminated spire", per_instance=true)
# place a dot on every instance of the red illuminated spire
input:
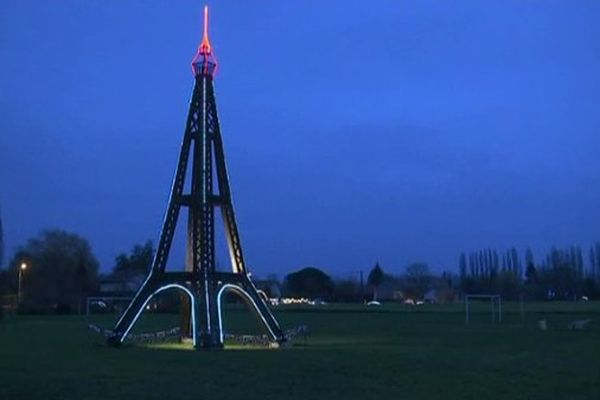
(204, 62)
(205, 45)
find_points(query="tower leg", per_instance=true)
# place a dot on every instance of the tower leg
(149, 288)
(186, 322)
(263, 311)
(131, 314)
(243, 287)
(208, 313)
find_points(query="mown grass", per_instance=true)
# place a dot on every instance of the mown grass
(392, 352)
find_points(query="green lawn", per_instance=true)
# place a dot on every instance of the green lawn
(392, 352)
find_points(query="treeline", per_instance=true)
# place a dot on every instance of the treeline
(562, 274)
(53, 272)
(57, 270)
(415, 283)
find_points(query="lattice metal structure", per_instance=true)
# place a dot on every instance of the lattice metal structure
(204, 285)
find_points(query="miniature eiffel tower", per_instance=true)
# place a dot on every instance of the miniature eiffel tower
(202, 146)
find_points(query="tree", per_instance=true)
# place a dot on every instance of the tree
(531, 275)
(596, 272)
(137, 262)
(1, 243)
(515, 262)
(530, 271)
(375, 279)
(507, 285)
(346, 290)
(309, 282)
(590, 288)
(593, 263)
(418, 278)
(61, 271)
(462, 266)
(5, 287)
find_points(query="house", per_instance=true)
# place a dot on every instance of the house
(389, 289)
(431, 296)
(120, 284)
(398, 295)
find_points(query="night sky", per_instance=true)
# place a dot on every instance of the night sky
(355, 131)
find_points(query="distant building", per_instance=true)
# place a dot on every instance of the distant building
(430, 296)
(390, 289)
(398, 295)
(120, 284)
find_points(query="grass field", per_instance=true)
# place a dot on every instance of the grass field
(392, 352)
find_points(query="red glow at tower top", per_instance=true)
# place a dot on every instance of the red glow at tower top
(205, 45)
(204, 62)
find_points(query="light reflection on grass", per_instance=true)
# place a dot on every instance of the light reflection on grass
(188, 346)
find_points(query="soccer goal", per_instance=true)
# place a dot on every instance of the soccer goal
(106, 304)
(495, 303)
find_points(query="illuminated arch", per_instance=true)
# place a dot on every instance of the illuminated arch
(157, 291)
(249, 300)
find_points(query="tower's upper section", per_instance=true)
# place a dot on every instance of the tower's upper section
(204, 62)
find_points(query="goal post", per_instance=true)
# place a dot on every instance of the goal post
(495, 303)
(105, 304)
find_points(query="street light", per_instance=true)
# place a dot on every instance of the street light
(22, 268)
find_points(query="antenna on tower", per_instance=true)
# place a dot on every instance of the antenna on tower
(204, 62)
(205, 44)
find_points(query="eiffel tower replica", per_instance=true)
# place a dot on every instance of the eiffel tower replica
(204, 286)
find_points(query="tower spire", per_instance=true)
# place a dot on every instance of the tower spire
(204, 62)
(205, 44)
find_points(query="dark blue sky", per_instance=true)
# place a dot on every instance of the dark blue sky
(355, 131)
